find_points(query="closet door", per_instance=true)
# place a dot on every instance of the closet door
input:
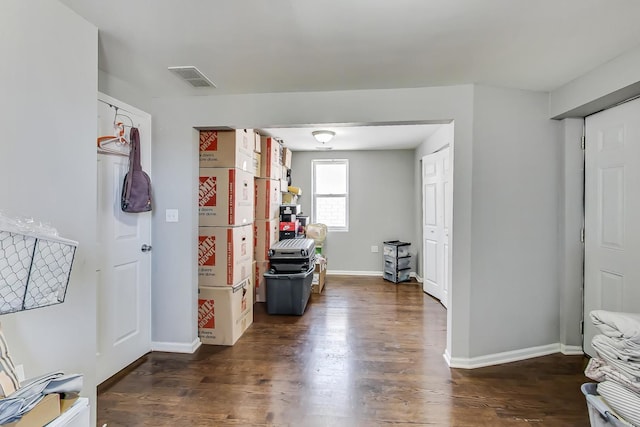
(612, 213)
(435, 224)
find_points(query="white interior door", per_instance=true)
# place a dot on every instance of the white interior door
(612, 209)
(436, 224)
(124, 270)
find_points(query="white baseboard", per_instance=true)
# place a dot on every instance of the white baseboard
(365, 273)
(504, 357)
(176, 347)
(354, 273)
(571, 350)
(447, 357)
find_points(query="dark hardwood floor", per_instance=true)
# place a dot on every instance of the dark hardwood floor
(366, 352)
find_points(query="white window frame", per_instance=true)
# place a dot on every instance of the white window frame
(314, 194)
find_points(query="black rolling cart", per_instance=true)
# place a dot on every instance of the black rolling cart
(397, 261)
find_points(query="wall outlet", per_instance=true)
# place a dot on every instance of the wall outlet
(374, 249)
(171, 215)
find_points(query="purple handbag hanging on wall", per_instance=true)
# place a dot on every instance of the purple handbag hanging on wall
(136, 188)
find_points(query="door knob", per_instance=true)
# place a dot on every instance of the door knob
(145, 248)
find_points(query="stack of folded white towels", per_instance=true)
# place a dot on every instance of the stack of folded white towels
(617, 365)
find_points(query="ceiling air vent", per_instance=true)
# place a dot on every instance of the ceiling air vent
(192, 75)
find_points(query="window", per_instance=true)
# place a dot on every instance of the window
(330, 185)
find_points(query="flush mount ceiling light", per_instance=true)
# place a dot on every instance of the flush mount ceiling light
(323, 136)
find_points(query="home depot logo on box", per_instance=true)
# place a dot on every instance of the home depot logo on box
(207, 250)
(206, 314)
(227, 149)
(207, 191)
(208, 140)
(224, 254)
(225, 197)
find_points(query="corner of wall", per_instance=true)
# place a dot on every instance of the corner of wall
(599, 88)
(123, 90)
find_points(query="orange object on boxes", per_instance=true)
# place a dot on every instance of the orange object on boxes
(261, 283)
(265, 234)
(267, 198)
(289, 226)
(224, 313)
(225, 197)
(225, 254)
(270, 158)
(227, 149)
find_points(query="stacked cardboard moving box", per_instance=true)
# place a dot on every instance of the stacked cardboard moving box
(268, 197)
(225, 243)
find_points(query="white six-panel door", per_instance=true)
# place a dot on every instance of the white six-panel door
(612, 213)
(435, 224)
(124, 270)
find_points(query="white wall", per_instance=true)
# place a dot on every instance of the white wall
(441, 138)
(48, 81)
(123, 91)
(615, 81)
(516, 176)
(381, 200)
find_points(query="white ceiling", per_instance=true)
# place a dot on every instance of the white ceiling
(373, 137)
(260, 46)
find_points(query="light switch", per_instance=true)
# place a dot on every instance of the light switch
(171, 215)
